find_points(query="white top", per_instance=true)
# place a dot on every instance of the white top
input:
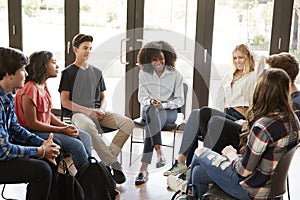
(168, 88)
(241, 92)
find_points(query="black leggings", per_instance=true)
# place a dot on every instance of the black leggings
(37, 173)
(222, 132)
(208, 125)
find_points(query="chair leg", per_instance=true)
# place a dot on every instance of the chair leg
(121, 157)
(173, 149)
(130, 151)
(2, 194)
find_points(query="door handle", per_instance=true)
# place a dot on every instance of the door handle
(121, 52)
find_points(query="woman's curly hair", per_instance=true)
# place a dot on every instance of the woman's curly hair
(153, 50)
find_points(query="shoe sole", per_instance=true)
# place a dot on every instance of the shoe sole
(175, 173)
(140, 183)
(176, 187)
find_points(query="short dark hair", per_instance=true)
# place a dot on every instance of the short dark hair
(38, 66)
(285, 61)
(80, 38)
(11, 60)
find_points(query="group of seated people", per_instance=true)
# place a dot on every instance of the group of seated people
(257, 106)
(245, 147)
(31, 134)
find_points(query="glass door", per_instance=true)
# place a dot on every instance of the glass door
(236, 22)
(174, 21)
(4, 23)
(295, 34)
(43, 30)
(106, 22)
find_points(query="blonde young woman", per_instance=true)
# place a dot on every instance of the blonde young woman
(238, 87)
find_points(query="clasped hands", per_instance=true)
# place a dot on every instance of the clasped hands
(49, 150)
(156, 103)
(70, 130)
(97, 113)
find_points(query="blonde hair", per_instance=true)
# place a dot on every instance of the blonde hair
(250, 63)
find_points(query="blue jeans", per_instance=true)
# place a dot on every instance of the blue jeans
(155, 120)
(210, 167)
(79, 149)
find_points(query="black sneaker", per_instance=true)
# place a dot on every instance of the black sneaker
(117, 173)
(118, 176)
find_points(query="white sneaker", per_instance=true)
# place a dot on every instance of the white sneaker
(176, 169)
(175, 183)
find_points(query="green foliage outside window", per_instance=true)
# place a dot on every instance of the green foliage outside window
(260, 42)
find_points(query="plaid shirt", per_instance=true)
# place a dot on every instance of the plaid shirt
(12, 135)
(268, 141)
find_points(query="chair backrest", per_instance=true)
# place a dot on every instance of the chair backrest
(183, 108)
(279, 178)
(65, 114)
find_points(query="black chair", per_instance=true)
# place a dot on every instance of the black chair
(140, 123)
(279, 181)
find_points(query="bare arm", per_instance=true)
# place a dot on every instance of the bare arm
(55, 121)
(70, 105)
(33, 123)
(102, 101)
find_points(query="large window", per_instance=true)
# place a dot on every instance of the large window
(43, 29)
(106, 22)
(295, 33)
(174, 21)
(3, 23)
(236, 22)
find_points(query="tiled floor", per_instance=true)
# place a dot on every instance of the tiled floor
(156, 188)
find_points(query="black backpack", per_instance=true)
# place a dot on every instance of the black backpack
(96, 181)
(64, 186)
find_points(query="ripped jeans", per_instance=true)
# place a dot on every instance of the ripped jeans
(210, 167)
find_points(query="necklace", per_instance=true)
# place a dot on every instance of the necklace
(235, 79)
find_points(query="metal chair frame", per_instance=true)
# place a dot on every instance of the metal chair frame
(140, 123)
